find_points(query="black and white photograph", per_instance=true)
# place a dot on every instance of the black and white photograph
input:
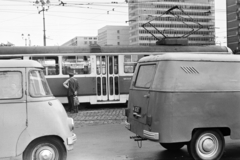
(119, 79)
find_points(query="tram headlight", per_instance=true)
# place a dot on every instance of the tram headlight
(71, 124)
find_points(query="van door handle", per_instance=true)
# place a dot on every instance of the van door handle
(136, 115)
(146, 95)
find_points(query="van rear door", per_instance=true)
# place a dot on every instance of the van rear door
(140, 91)
(13, 111)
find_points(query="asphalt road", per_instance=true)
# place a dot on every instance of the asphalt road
(112, 142)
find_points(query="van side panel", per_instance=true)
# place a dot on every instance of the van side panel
(13, 111)
(197, 76)
(178, 114)
(194, 94)
(51, 120)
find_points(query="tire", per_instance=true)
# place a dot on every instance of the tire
(172, 146)
(206, 145)
(51, 147)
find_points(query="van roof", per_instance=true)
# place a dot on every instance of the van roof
(191, 57)
(19, 63)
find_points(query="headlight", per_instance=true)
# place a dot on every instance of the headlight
(71, 124)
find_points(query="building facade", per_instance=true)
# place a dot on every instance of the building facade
(113, 35)
(82, 41)
(197, 12)
(233, 23)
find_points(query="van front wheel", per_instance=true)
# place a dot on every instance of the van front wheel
(172, 146)
(45, 148)
(206, 145)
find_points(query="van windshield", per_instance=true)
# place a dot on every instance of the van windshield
(145, 76)
(38, 84)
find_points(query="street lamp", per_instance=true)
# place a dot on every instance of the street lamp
(25, 40)
(43, 4)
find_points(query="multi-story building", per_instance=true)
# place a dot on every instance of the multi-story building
(82, 41)
(197, 12)
(233, 20)
(113, 35)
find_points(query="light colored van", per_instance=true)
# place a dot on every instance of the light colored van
(186, 99)
(33, 123)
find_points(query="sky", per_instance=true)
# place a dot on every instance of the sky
(20, 18)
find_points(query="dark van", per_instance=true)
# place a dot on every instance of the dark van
(186, 99)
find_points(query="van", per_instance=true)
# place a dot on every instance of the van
(186, 99)
(33, 123)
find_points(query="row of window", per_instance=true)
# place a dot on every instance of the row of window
(90, 38)
(189, 38)
(205, 33)
(174, 19)
(189, 44)
(166, 6)
(176, 25)
(90, 42)
(152, 12)
(79, 64)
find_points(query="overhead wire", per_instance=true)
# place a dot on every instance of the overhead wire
(76, 4)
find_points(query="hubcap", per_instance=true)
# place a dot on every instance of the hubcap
(207, 145)
(45, 153)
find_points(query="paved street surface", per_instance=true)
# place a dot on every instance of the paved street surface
(102, 136)
(98, 117)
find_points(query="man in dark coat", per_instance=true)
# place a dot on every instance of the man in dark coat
(72, 87)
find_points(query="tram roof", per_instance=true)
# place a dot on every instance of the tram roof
(20, 64)
(192, 57)
(112, 49)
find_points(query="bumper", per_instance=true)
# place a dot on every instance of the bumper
(151, 135)
(147, 134)
(71, 140)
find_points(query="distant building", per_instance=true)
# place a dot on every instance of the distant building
(233, 20)
(82, 41)
(113, 35)
(201, 11)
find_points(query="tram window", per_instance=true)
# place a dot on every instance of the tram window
(50, 64)
(76, 64)
(130, 62)
(110, 65)
(115, 64)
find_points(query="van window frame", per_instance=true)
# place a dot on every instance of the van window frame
(34, 96)
(138, 70)
(12, 98)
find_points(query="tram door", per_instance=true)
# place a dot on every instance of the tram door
(107, 78)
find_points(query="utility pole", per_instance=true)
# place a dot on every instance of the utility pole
(43, 4)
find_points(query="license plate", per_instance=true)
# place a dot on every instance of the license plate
(137, 109)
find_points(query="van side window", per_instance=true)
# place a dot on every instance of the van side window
(11, 85)
(145, 76)
(38, 85)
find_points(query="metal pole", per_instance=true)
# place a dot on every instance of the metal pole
(44, 31)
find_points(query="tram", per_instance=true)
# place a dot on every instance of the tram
(104, 72)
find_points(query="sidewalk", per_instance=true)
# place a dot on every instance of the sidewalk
(97, 117)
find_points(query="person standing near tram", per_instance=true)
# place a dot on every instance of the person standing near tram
(72, 87)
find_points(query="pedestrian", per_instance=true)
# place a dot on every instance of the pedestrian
(72, 87)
